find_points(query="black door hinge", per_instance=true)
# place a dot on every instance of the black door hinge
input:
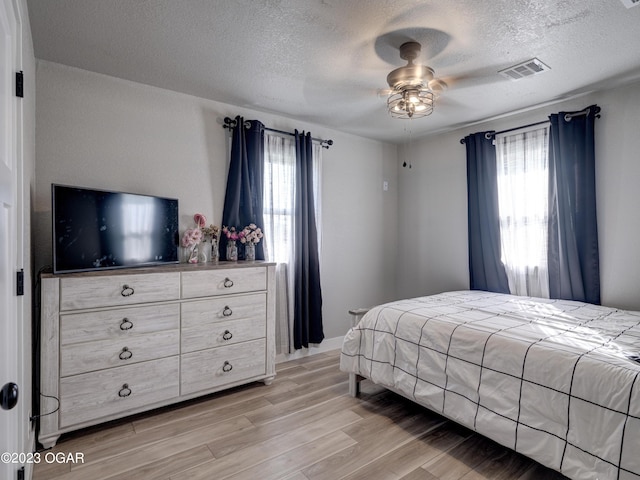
(19, 84)
(20, 282)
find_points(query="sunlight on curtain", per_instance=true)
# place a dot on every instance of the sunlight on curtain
(523, 174)
(279, 195)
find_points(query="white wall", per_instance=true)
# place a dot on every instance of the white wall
(433, 200)
(103, 132)
(432, 217)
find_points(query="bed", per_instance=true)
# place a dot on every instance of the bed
(555, 380)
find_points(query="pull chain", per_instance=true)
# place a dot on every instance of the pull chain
(410, 147)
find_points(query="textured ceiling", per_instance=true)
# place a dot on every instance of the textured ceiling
(324, 61)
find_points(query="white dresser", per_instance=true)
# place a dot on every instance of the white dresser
(119, 342)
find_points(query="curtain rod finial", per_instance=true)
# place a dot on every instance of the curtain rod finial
(229, 123)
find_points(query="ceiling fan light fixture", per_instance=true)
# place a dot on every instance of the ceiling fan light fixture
(411, 103)
(413, 86)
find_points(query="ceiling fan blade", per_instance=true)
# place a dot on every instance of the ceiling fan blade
(385, 92)
(483, 76)
(437, 85)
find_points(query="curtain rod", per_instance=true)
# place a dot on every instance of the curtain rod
(230, 123)
(567, 118)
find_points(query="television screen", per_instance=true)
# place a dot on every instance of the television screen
(95, 229)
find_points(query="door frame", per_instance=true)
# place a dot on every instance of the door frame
(16, 338)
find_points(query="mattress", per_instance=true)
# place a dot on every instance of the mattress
(555, 380)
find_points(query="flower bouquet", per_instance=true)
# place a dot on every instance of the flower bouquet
(193, 236)
(232, 237)
(212, 232)
(252, 234)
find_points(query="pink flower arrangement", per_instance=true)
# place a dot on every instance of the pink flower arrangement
(193, 236)
(251, 234)
(232, 234)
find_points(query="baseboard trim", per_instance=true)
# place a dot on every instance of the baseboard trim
(327, 345)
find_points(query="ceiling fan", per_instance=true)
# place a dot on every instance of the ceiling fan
(413, 87)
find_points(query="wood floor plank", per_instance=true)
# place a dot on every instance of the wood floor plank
(223, 400)
(288, 423)
(309, 400)
(328, 379)
(147, 454)
(420, 474)
(295, 476)
(462, 459)
(87, 440)
(310, 359)
(214, 419)
(273, 447)
(502, 466)
(402, 461)
(164, 468)
(375, 436)
(294, 370)
(297, 459)
(323, 361)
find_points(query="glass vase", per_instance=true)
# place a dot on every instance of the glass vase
(193, 254)
(232, 251)
(250, 252)
(215, 252)
(204, 251)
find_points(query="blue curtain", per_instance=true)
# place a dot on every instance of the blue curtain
(243, 202)
(307, 318)
(574, 271)
(486, 270)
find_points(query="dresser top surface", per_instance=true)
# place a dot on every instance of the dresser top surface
(169, 268)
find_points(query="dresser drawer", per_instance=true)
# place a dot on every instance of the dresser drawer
(91, 356)
(223, 282)
(94, 395)
(215, 367)
(223, 321)
(118, 323)
(115, 290)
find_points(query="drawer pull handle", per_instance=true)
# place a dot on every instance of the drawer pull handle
(227, 367)
(227, 335)
(228, 283)
(125, 391)
(227, 312)
(127, 291)
(125, 354)
(126, 324)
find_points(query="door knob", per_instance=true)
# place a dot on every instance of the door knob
(9, 396)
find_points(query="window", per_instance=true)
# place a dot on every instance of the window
(279, 217)
(523, 185)
(279, 194)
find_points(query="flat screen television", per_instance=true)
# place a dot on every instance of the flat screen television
(98, 229)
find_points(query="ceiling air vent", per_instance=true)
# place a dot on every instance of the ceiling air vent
(630, 3)
(525, 69)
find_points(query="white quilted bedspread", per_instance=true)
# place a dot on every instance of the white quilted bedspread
(554, 380)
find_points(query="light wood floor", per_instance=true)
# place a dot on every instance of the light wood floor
(302, 427)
